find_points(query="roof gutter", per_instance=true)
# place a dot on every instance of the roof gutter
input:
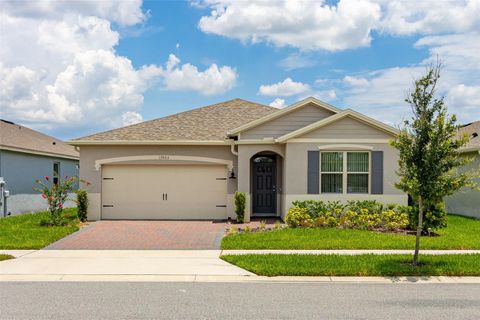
(40, 153)
(148, 142)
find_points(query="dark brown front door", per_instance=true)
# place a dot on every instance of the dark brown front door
(264, 185)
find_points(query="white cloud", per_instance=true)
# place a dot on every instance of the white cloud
(318, 25)
(122, 12)
(325, 95)
(277, 103)
(309, 25)
(286, 88)
(296, 61)
(465, 101)
(59, 68)
(450, 29)
(131, 117)
(212, 80)
(381, 93)
(356, 82)
(429, 17)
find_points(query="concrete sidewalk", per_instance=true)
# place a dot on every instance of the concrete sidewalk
(119, 262)
(347, 252)
(175, 266)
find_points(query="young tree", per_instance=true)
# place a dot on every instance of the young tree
(428, 149)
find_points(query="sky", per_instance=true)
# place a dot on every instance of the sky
(73, 68)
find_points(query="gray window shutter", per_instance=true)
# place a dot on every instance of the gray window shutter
(313, 177)
(377, 172)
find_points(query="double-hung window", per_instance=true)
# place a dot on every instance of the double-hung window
(331, 172)
(357, 172)
(344, 171)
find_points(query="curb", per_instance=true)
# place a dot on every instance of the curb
(232, 279)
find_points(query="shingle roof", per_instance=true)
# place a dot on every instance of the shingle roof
(205, 124)
(17, 137)
(473, 132)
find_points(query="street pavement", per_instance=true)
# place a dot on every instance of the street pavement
(161, 300)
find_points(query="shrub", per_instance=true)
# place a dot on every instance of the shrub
(240, 199)
(370, 205)
(263, 225)
(277, 225)
(56, 194)
(364, 215)
(394, 220)
(434, 216)
(319, 208)
(298, 217)
(232, 230)
(82, 204)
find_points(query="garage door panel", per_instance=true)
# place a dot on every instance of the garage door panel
(164, 192)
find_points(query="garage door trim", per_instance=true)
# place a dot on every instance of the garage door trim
(163, 157)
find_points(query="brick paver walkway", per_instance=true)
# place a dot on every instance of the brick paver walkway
(123, 235)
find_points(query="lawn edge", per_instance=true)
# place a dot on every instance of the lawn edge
(315, 273)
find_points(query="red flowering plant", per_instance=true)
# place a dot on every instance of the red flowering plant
(56, 195)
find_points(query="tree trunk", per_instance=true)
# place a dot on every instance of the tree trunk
(419, 230)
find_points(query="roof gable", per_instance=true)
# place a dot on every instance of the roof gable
(282, 112)
(377, 125)
(286, 123)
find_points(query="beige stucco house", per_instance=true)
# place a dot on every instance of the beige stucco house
(189, 165)
(467, 201)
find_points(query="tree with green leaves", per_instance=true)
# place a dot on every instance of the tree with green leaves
(429, 150)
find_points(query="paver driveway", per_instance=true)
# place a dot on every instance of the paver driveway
(127, 234)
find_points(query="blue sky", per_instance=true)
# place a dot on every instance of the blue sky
(75, 68)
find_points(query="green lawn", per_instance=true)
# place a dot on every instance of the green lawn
(361, 265)
(25, 232)
(6, 257)
(461, 233)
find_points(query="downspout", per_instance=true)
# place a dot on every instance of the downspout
(232, 147)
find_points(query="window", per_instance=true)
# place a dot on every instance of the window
(56, 172)
(345, 168)
(357, 172)
(332, 172)
(262, 159)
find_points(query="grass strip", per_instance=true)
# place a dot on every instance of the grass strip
(461, 233)
(360, 265)
(25, 232)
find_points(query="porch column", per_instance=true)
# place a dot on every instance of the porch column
(243, 177)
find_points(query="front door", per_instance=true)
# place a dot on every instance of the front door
(264, 185)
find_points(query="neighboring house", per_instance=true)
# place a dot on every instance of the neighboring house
(467, 201)
(27, 155)
(189, 165)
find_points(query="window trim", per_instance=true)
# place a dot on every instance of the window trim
(346, 172)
